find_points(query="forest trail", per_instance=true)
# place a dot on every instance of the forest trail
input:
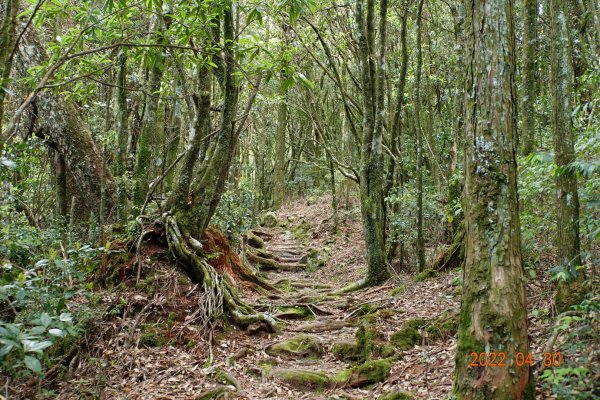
(156, 349)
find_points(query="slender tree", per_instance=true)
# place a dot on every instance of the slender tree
(8, 37)
(493, 311)
(372, 67)
(122, 136)
(530, 76)
(419, 143)
(569, 253)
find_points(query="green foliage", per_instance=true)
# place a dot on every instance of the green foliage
(575, 377)
(38, 281)
(235, 211)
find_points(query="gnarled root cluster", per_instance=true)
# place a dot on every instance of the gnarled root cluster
(219, 295)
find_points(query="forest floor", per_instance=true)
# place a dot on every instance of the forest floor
(151, 346)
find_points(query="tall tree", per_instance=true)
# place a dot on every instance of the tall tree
(569, 253)
(372, 67)
(493, 310)
(122, 135)
(530, 76)
(8, 24)
(419, 143)
(149, 123)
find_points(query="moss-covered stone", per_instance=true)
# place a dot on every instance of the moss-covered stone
(364, 374)
(407, 337)
(297, 346)
(396, 396)
(268, 220)
(347, 351)
(303, 379)
(301, 231)
(298, 312)
(426, 274)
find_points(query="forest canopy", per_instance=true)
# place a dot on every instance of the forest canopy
(206, 199)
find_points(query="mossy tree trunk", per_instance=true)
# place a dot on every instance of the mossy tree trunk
(493, 310)
(122, 137)
(149, 123)
(280, 161)
(569, 257)
(372, 66)
(419, 144)
(196, 195)
(395, 169)
(8, 24)
(530, 83)
(63, 127)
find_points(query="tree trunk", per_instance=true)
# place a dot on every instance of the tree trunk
(122, 136)
(372, 168)
(569, 257)
(493, 310)
(529, 76)
(61, 185)
(419, 145)
(149, 124)
(61, 124)
(8, 37)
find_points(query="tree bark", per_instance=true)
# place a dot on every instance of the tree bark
(569, 252)
(493, 310)
(530, 76)
(61, 124)
(372, 168)
(419, 144)
(122, 137)
(149, 123)
(8, 37)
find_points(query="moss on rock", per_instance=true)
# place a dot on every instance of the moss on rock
(268, 220)
(408, 335)
(364, 374)
(297, 346)
(303, 379)
(426, 274)
(347, 351)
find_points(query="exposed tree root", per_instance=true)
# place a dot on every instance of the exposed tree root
(263, 262)
(227, 263)
(219, 296)
(353, 287)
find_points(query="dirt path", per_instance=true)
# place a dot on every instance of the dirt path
(124, 361)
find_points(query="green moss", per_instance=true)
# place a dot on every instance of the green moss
(444, 326)
(285, 285)
(347, 351)
(191, 344)
(396, 396)
(297, 346)
(398, 291)
(364, 374)
(304, 379)
(299, 312)
(171, 319)
(268, 220)
(151, 339)
(426, 274)
(225, 378)
(408, 335)
(416, 323)
(300, 232)
(384, 350)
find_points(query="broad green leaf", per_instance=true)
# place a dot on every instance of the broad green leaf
(33, 364)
